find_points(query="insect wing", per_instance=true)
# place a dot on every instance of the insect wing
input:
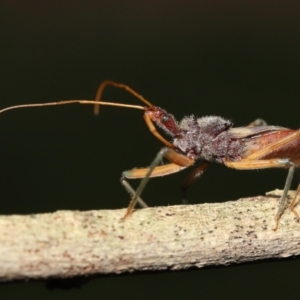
(269, 142)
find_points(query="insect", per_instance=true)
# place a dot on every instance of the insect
(207, 139)
(213, 139)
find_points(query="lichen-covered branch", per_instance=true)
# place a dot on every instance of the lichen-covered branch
(69, 243)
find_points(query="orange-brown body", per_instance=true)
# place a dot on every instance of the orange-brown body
(290, 149)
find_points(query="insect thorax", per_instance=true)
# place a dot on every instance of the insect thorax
(207, 138)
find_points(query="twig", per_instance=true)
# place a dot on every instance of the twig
(70, 243)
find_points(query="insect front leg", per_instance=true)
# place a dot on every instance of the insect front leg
(180, 162)
(132, 192)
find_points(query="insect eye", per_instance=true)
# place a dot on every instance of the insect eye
(165, 118)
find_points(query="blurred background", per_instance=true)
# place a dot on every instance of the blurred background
(239, 60)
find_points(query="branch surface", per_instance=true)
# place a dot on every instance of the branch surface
(69, 243)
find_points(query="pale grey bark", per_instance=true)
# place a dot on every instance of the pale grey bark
(69, 243)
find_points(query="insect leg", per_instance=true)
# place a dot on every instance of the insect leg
(248, 164)
(131, 192)
(258, 122)
(293, 203)
(285, 190)
(191, 178)
(181, 162)
(141, 173)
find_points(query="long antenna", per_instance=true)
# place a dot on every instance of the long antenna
(121, 86)
(73, 101)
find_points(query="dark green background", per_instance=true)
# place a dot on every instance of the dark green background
(240, 60)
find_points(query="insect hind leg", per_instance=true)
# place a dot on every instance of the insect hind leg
(294, 202)
(285, 162)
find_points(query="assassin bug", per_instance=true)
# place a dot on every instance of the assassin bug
(213, 139)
